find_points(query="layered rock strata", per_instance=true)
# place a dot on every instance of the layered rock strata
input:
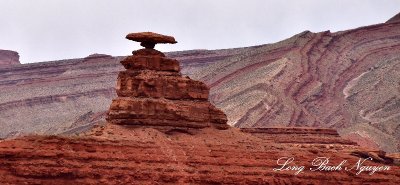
(117, 154)
(154, 97)
(152, 92)
(302, 135)
(8, 58)
(347, 80)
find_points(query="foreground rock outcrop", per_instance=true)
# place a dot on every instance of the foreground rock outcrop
(346, 80)
(117, 154)
(152, 92)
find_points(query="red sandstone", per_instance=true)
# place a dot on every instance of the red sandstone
(8, 58)
(346, 80)
(158, 135)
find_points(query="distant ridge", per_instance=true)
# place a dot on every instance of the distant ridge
(394, 19)
(8, 58)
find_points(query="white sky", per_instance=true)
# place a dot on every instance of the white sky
(43, 30)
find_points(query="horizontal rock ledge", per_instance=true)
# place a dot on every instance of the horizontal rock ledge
(163, 109)
(160, 86)
(157, 63)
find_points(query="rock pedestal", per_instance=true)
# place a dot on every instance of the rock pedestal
(152, 92)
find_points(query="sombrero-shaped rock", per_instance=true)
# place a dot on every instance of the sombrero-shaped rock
(151, 38)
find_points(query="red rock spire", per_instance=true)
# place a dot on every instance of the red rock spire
(153, 93)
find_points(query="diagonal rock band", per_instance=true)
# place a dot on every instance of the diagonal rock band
(153, 93)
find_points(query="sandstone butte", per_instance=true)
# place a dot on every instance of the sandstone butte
(347, 80)
(8, 58)
(162, 130)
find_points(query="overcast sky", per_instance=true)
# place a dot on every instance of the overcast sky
(43, 30)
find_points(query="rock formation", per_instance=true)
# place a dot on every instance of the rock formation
(346, 80)
(150, 39)
(8, 58)
(153, 137)
(152, 92)
(116, 154)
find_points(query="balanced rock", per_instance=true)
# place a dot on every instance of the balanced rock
(152, 92)
(150, 39)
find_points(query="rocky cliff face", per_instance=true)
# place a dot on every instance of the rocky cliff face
(8, 58)
(347, 80)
